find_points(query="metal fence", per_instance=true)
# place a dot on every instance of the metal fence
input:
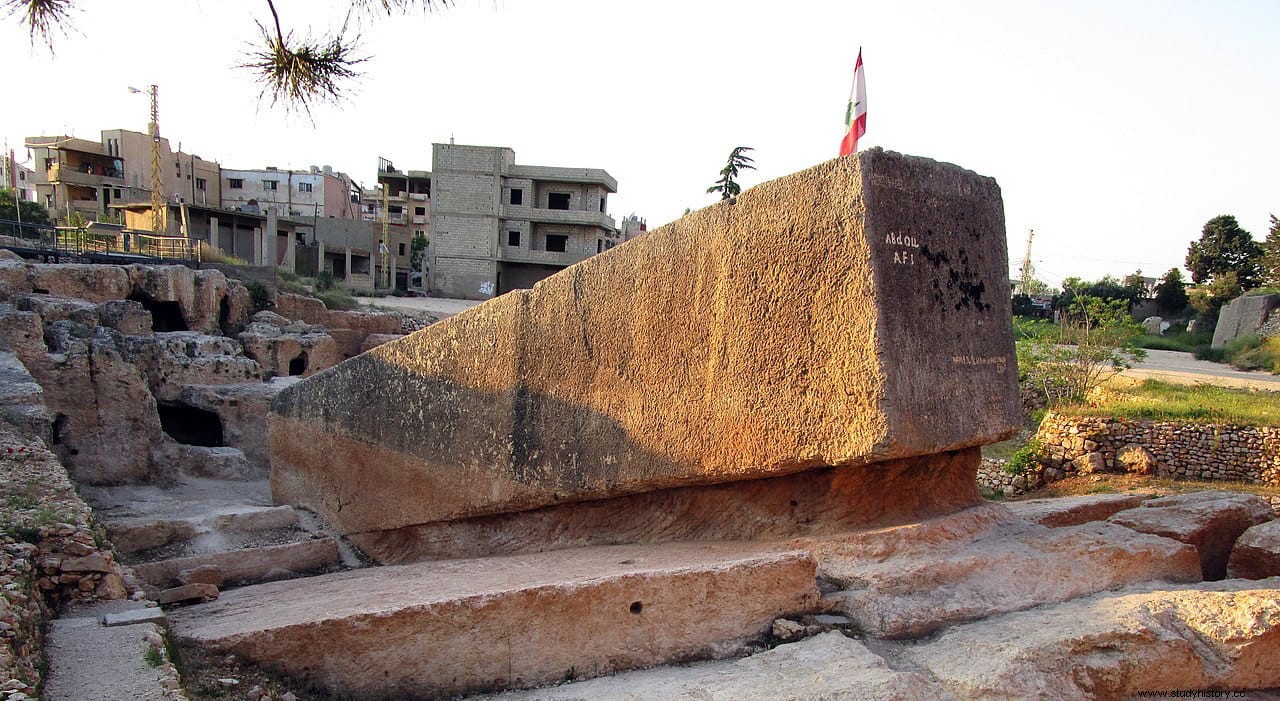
(85, 241)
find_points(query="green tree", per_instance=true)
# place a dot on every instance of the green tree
(1171, 293)
(296, 69)
(727, 185)
(1224, 248)
(1093, 342)
(1271, 254)
(32, 212)
(416, 248)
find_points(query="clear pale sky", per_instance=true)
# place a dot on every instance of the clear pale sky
(1115, 128)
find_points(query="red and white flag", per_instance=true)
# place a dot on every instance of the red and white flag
(855, 117)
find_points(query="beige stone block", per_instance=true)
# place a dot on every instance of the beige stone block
(1211, 521)
(432, 630)
(846, 315)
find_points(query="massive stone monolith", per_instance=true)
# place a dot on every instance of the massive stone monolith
(849, 322)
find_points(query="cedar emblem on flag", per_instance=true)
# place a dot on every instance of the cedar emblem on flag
(855, 116)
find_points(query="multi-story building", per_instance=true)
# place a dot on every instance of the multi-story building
(497, 226)
(407, 198)
(17, 177)
(79, 175)
(632, 226)
(317, 192)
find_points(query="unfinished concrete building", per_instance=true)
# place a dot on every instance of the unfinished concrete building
(495, 226)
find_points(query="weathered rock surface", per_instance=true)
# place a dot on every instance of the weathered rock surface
(892, 268)
(105, 426)
(908, 581)
(1211, 521)
(21, 398)
(293, 349)
(828, 667)
(1148, 637)
(1072, 511)
(1256, 554)
(171, 361)
(815, 502)
(1243, 316)
(241, 409)
(440, 628)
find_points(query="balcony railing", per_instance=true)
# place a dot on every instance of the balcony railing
(519, 255)
(63, 173)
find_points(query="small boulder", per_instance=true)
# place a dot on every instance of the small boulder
(1256, 554)
(204, 574)
(1137, 460)
(188, 593)
(1090, 463)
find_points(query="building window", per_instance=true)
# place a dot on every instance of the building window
(556, 242)
(235, 183)
(419, 211)
(599, 245)
(602, 204)
(304, 187)
(200, 183)
(401, 249)
(270, 184)
(116, 192)
(395, 209)
(517, 195)
(557, 200)
(513, 238)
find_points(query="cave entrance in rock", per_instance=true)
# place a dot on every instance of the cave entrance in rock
(298, 365)
(165, 316)
(191, 426)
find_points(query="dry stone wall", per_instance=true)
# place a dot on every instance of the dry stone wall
(1076, 445)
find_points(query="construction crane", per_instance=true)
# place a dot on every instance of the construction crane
(157, 183)
(1026, 264)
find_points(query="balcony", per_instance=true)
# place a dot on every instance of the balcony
(592, 176)
(512, 254)
(419, 220)
(64, 173)
(557, 216)
(418, 196)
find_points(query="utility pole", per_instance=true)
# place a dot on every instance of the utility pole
(1026, 263)
(157, 183)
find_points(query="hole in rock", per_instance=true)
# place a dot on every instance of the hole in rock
(636, 607)
(298, 365)
(165, 316)
(189, 425)
(59, 425)
(224, 314)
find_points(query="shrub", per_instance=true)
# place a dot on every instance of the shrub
(1094, 343)
(259, 294)
(338, 298)
(1024, 459)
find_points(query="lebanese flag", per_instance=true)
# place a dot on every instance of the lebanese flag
(855, 117)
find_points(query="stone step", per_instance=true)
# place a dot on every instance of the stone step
(909, 581)
(140, 533)
(434, 629)
(247, 565)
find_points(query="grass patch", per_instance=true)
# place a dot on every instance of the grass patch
(1163, 401)
(209, 254)
(1175, 341)
(1126, 483)
(153, 656)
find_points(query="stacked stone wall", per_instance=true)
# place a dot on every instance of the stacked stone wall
(1075, 445)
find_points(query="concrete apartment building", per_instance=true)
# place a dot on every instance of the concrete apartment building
(17, 177)
(85, 176)
(316, 192)
(496, 226)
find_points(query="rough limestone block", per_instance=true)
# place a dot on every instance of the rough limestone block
(1243, 316)
(849, 314)
(1211, 521)
(249, 565)
(437, 629)
(1073, 511)
(1256, 554)
(1115, 645)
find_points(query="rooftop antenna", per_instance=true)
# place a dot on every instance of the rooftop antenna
(451, 138)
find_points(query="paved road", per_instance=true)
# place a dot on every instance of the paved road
(1173, 366)
(436, 305)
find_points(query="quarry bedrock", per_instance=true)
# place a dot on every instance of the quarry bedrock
(848, 314)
